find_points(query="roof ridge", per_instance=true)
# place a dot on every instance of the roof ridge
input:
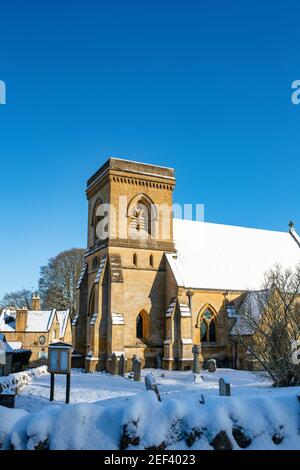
(233, 226)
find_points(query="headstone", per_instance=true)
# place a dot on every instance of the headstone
(113, 364)
(137, 370)
(196, 350)
(224, 388)
(7, 399)
(212, 365)
(151, 384)
(133, 358)
(122, 365)
(202, 401)
(158, 361)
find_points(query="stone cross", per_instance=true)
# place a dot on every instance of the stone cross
(196, 350)
(212, 365)
(113, 364)
(224, 388)
(151, 384)
(122, 365)
(158, 361)
(137, 369)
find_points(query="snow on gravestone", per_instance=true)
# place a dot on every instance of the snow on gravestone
(136, 369)
(224, 388)
(212, 365)
(151, 384)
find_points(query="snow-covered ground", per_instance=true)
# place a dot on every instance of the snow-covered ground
(87, 388)
(102, 405)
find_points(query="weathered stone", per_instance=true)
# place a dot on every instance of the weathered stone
(211, 365)
(137, 370)
(224, 388)
(196, 350)
(241, 437)
(221, 442)
(122, 366)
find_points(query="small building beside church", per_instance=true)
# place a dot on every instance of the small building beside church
(12, 359)
(157, 285)
(35, 329)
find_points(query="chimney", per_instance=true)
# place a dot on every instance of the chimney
(21, 319)
(36, 302)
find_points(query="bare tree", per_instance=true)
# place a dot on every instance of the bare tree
(272, 318)
(17, 299)
(58, 280)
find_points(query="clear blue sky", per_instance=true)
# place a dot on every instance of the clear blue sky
(203, 86)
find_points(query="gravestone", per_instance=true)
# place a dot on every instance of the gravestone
(122, 366)
(224, 388)
(137, 369)
(212, 365)
(113, 364)
(158, 361)
(151, 384)
(196, 350)
(133, 358)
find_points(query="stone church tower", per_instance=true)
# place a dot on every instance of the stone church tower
(122, 287)
(156, 285)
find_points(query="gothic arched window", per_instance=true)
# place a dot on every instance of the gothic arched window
(139, 327)
(212, 331)
(96, 218)
(208, 326)
(91, 309)
(203, 330)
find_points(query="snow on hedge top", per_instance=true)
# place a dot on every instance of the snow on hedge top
(228, 257)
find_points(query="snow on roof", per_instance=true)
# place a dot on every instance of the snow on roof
(214, 256)
(39, 320)
(15, 344)
(62, 316)
(7, 320)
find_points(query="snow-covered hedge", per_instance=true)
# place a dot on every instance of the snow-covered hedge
(15, 382)
(142, 422)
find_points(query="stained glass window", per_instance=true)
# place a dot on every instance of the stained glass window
(212, 331)
(203, 328)
(207, 314)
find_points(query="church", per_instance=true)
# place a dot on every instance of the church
(153, 285)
